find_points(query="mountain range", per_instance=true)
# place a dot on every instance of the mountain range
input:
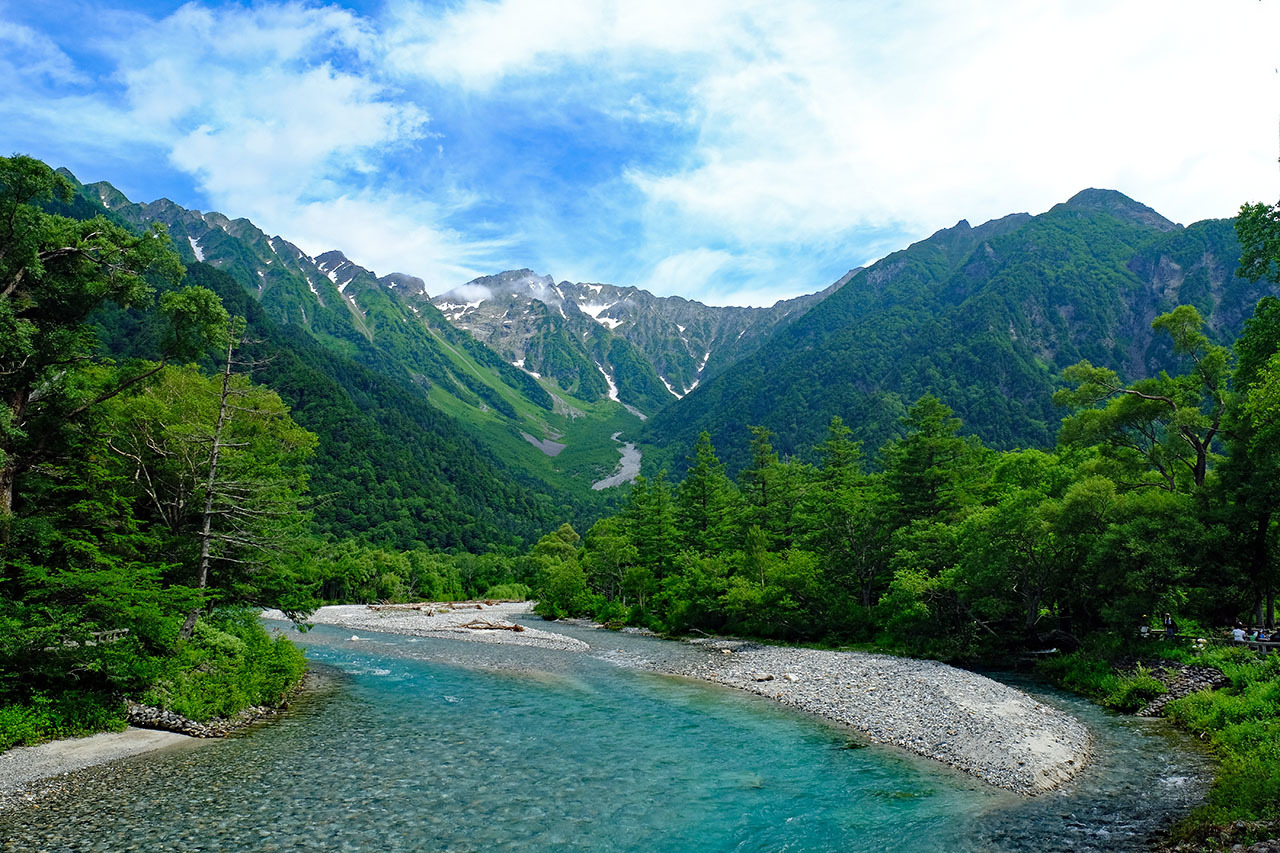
(984, 318)
(545, 379)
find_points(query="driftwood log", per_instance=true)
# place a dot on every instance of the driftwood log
(490, 625)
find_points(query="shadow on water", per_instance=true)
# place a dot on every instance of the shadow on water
(431, 744)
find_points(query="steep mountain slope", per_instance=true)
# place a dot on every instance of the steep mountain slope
(389, 326)
(985, 318)
(645, 350)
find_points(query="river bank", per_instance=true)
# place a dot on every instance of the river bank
(994, 732)
(474, 621)
(965, 720)
(26, 771)
(28, 774)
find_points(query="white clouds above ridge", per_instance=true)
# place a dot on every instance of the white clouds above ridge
(730, 151)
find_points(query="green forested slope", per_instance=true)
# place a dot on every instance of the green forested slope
(389, 327)
(985, 318)
(389, 467)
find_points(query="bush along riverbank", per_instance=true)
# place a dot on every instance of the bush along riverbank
(1226, 695)
(229, 673)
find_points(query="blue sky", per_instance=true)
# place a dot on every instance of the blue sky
(731, 151)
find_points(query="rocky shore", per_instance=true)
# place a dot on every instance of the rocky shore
(963, 719)
(31, 773)
(1179, 680)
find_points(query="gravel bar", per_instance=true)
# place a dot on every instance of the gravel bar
(488, 622)
(963, 719)
(30, 773)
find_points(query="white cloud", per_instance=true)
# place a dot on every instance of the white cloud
(821, 131)
(687, 272)
(471, 293)
(748, 147)
(477, 44)
(32, 54)
(819, 118)
(250, 101)
(385, 233)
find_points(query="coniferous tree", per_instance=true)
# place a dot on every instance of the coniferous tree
(706, 502)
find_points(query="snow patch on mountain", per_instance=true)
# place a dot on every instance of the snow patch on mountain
(520, 364)
(677, 394)
(596, 309)
(613, 388)
(195, 247)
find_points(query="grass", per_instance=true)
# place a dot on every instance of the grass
(1242, 722)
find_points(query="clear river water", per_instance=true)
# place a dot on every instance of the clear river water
(431, 744)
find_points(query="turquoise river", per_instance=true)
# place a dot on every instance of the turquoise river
(432, 744)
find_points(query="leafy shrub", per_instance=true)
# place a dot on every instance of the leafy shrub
(1129, 693)
(611, 613)
(513, 591)
(1243, 727)
(70, 714)
(229, 664)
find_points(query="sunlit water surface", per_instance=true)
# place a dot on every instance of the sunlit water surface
(425, 744)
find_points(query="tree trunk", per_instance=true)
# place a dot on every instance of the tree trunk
(8, 476)
(206, 525)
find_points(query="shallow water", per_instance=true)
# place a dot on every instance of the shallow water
(432, 744)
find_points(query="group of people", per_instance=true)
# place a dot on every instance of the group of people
(1170, 628)
(1239, 633)
(1252, 635)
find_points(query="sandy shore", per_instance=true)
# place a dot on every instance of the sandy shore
(474, 621)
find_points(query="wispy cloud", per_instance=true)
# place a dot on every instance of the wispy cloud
(35, 54)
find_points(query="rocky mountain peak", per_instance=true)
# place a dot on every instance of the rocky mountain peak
(1120, 206)
(110, 197)
(405, 283)
(338, 268)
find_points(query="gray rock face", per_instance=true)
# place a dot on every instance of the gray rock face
(628, 335)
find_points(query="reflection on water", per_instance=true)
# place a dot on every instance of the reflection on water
(428, 744)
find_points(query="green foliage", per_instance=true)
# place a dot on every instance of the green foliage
(1258, 229)
(96, 479)
(71, 713)
(509, 591)
(982, 318)
(1241, 723)
(230, 663)
(1163, 428)
(389, 468)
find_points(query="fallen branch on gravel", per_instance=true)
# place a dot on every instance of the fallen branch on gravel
(489, 625)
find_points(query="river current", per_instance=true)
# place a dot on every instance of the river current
(432, 744)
